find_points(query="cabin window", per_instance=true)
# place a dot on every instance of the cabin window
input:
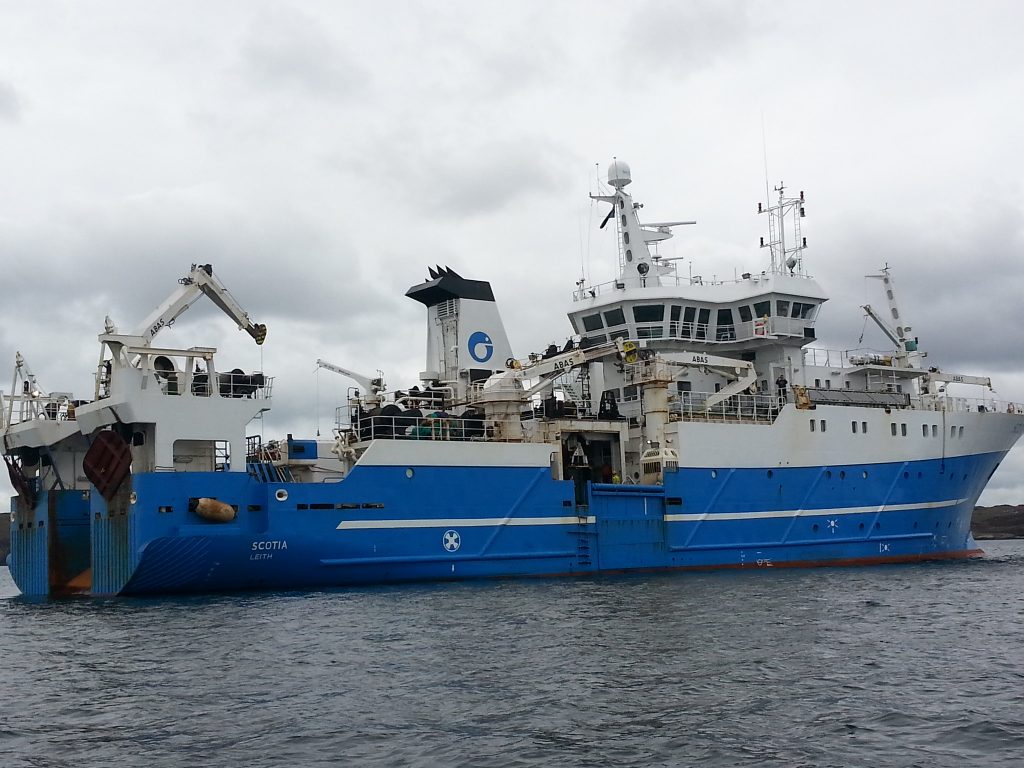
(649, 313)
(952, 431)
(684, 386)
(782, 307)
(824, 424)
(763, 308)
(892, 426)
(745, 315)
(935, 430)
(725, 330)
(817, 383)
(622, 203)
(599, 338)
(864, 427)
(703, 318)
(811, 424)
(629, 255)
(615, 317)
(592, 322)
(625, 237)
(924, 430)
(853, 426)
(623, 220)
(828, 383)
(903, 430)
(649, 332)
(630, 392)
(960, 432)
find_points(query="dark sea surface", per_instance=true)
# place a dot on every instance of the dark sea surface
(890, 666)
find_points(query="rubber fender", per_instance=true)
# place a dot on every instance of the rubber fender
(215, 511)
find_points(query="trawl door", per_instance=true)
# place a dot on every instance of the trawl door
(630, 522)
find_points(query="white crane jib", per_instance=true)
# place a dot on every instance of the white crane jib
(907, 354)
(199, 281)
(372, 387)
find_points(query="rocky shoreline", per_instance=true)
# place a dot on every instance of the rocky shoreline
(1005, 521)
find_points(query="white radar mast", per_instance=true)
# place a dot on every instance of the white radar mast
(786, 247)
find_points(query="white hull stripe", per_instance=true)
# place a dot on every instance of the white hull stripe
(811, 512)
(463, 522)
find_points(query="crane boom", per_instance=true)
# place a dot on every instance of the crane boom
(198, 282)
(372, 386)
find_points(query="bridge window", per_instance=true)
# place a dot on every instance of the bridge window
(649, 313)
(703, 318)
(782, 307)
(726, 331)
(763, 308)
(745, 314)
(615, 317)
(676, 309)
(689, 316)
(592, 322)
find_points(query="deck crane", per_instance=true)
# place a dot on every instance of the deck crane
(373, 387)
(907, 354)
(199, 281)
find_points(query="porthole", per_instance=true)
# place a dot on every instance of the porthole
(769, 474)
(409, 473)
(906, 475)
(714, 473)
(281, 494)
(877, 526)
(842, 475)
(828, 474)
(864, 474)
(861, 526)
(815, 528)
(133, 497)
(629, 255)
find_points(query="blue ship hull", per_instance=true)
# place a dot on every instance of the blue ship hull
(379, 525)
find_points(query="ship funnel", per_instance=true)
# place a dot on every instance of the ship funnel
(466, 339)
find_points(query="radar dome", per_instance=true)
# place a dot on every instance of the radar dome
(618, 174)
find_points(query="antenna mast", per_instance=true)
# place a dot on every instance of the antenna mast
(786, 255)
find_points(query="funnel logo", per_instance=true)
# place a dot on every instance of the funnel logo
(481, 347)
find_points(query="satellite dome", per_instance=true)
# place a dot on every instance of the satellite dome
(618, 174)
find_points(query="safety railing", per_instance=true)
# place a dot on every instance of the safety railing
(952, 404)
(743, 409)
(56, 406)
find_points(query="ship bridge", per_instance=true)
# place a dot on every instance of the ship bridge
(650, 302)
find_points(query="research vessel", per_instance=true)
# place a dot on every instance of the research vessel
(686, 424)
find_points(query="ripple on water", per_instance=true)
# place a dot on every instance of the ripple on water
(918, 665)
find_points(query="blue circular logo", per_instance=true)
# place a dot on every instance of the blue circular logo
(478, 341)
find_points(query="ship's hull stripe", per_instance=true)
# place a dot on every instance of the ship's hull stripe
(463, 522)
(783, 513)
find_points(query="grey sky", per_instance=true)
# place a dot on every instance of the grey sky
(322, 154)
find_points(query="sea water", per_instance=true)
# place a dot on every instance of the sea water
(891, 666)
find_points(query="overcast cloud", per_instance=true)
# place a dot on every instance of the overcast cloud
(321, 154)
